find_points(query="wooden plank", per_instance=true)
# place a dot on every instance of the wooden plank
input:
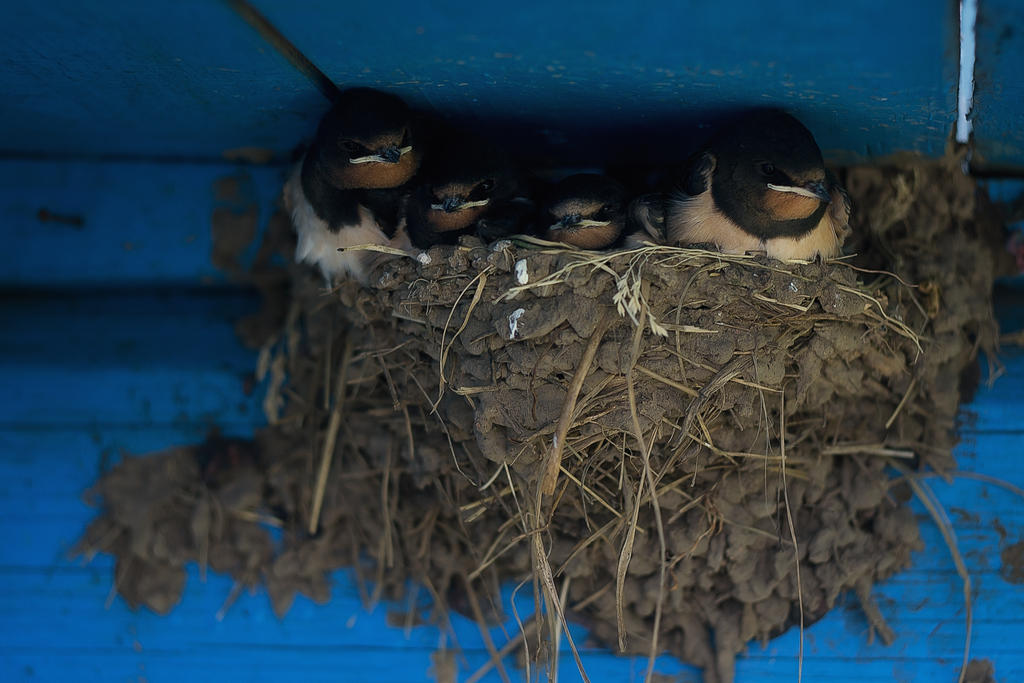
(132, 357)
(176, 80)
(577, 81)
(582, 81)
(999, 408)
(61, 598)
(129, 223)
(999, 86)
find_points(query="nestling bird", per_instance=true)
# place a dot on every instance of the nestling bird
(466, 187)
(347, 189)
(585, 210)
(759, 186)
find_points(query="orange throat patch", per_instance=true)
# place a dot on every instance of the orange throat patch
(592, 237)
(788, 206)
(377, 175)
(444, 221)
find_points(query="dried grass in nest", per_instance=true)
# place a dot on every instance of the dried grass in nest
(682, 449)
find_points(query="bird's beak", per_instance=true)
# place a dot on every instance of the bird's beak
(819, 190)
(815, 190)
(574, 220)
(565, 222)
(453, 204)
(388, 155)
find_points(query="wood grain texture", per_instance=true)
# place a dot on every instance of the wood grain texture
(553, 78)
(126, 357)
(182, 80)
(192, 80)
(999, 85)
(142, 223)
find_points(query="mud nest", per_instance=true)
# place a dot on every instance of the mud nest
(682, 450)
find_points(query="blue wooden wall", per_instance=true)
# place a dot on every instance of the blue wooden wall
(116, 330)
(97, 362)
(999, 85)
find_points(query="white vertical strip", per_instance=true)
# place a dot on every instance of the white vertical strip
(965, 92)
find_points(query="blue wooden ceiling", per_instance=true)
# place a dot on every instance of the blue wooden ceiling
(185, 79)
(570, 82)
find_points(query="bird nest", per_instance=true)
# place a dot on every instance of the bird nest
(681, 449)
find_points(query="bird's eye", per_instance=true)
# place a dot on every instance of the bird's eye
(767, 168)
(487, 185)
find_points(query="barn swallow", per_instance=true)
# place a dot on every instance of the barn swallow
(466, 187)
(585, 210)
(759, 186)
(347, 189)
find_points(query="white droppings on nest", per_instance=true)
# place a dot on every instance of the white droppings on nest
(513, 322)
(424, 258)
(522, 274)
(501, 245)
(793, 287)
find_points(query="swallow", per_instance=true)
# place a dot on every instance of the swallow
(586, 210)
(347, 189)
(466, 187)
(761, 185)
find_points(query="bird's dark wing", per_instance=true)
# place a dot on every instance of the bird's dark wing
(835, 188)
(419, 231)
(514, 216)
(698, 179)
(338, 208)
(384, 205)
(646, 216)
(839, 208)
